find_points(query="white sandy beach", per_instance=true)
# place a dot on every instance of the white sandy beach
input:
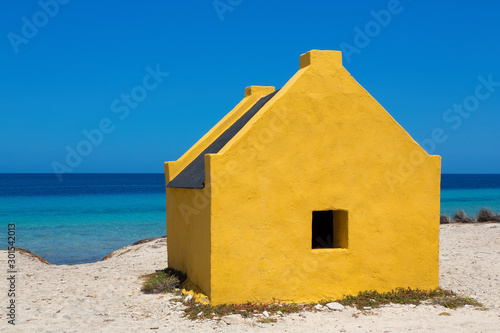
(105, 296)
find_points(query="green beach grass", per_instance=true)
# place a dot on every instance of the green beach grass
(170, 280)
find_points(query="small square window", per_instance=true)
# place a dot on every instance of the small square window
(329, 229)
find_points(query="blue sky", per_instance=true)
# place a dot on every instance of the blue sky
(68, 67)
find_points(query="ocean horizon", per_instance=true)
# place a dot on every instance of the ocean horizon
(87, 216)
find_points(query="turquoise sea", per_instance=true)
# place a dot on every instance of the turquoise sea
(83, 218)
(87, 216)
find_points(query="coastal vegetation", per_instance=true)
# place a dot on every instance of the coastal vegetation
(166, 280)
(170, 281)
(484, 215)
(364, 301)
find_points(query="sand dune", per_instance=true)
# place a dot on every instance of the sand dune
(105, 296)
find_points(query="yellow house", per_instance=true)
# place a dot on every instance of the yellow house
(306, 193)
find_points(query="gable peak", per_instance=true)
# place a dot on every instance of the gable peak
(321, 58)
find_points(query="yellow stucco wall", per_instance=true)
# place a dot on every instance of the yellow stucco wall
(321, 143)
(188, 210)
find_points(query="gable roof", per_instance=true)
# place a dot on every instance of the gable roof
(193, 175)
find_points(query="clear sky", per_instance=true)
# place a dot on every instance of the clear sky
(127, 85)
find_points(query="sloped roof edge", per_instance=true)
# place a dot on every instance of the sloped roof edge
(193, 175)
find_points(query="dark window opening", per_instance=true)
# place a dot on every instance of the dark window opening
(322, 229)
(329, 229)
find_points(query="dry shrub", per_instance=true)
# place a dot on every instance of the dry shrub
(445, 219)
(461, 217)
(486, 215)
